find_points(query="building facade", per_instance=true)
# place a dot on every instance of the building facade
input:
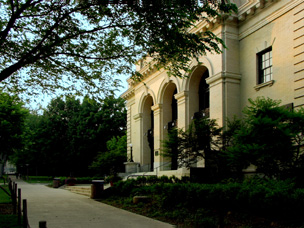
(264, 57)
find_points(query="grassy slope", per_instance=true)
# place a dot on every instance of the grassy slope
(7, 220)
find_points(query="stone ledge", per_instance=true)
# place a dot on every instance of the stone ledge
(141, 199)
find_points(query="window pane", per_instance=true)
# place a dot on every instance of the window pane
(267, 63)
(267, 78)
(265, 66)
(267, 55)
(267, 71)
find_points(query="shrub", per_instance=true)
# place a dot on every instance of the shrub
(263, 197)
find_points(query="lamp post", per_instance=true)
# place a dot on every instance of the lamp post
(131, 147)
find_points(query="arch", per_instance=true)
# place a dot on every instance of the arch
(165, 83)
(144, 95)
(199, 97)
(203, 61)
(147, 135)
(168, 115)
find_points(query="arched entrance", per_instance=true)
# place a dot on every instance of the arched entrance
(148, 135)
(199, 96)
(170, 116)
(199, 99)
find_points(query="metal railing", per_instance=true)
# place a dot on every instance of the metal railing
(156, 169)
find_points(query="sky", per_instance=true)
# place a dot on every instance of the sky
(43, 100)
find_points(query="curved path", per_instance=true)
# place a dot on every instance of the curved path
(63, 209)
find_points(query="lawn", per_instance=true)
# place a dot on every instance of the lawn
(7, 219)
(4, 198)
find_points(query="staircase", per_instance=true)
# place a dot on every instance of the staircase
(80, 189)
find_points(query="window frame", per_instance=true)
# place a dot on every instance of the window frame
(261, 77)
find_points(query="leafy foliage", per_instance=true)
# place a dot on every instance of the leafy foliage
(12, 125)
(79, 46)
(111, 161)
(268, 200)
(200, 140)
(70, 134)
(269, 138)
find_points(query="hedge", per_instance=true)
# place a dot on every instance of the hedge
(271, 198)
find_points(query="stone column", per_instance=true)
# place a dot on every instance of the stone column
(129, 105)
(137, 140)
(182, 108)
(158, 131)
(224, 96)
(224, 85)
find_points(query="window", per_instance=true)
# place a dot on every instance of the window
(265, 66)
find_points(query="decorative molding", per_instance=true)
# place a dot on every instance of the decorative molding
(236, 78)
(137, 116)
(259, 86)
(269, 18)
(181, 95)
(130, 102)
(128, 94)
(156, 107)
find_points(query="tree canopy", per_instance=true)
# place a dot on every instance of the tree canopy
(12, 124)
(70, 134)
(79, 46)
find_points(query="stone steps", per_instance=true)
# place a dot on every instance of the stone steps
(82, 190)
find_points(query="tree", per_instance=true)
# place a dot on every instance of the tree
(111, 161)
(12, 117)
(202, 140)
(79, 46)
(70, 133)
(270, 137)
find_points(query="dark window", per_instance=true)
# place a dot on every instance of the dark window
(265, 66)
(204, 92)
(174, 106)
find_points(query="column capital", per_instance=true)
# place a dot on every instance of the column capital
(137, 116)
(156, 107)
(224, 77)
(181, 95)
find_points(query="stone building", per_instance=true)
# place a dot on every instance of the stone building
(264, 57)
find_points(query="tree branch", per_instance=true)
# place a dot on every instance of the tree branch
(14, 17)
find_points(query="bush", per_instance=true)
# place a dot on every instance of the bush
(271, 198)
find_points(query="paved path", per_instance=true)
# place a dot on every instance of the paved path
(64, 209)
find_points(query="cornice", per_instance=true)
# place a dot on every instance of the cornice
(128, 94)
(261, 4)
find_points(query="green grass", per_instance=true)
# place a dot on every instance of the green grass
(2, 179)
(4, 198)
(9, 221)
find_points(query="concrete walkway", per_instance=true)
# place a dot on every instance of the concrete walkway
(63, 209)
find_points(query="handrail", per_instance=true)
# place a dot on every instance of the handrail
(144, 174)
(166, 163)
